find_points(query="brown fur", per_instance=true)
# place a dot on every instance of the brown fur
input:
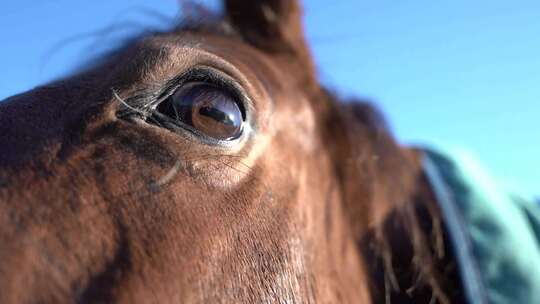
(319, 205)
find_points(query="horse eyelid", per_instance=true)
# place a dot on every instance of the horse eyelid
(211, 76)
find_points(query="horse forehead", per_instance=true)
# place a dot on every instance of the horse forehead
(174, 52)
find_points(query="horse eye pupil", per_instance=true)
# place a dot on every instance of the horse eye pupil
(207, 109)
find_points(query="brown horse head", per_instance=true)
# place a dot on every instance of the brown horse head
(206, 164)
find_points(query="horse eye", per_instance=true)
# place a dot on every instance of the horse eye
(206, 108)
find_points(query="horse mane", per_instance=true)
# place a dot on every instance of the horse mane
(400, 236)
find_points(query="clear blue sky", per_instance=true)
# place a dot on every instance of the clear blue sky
(457, 72)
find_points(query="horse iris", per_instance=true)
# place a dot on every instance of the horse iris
(207, 108)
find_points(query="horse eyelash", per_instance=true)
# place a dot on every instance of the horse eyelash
(145, 104)
(142, 106)
(145, 108)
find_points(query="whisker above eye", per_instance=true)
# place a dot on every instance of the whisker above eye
(127, 108)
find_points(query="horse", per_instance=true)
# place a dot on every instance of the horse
(208, 164)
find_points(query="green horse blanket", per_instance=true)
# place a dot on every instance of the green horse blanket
(495, 235)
